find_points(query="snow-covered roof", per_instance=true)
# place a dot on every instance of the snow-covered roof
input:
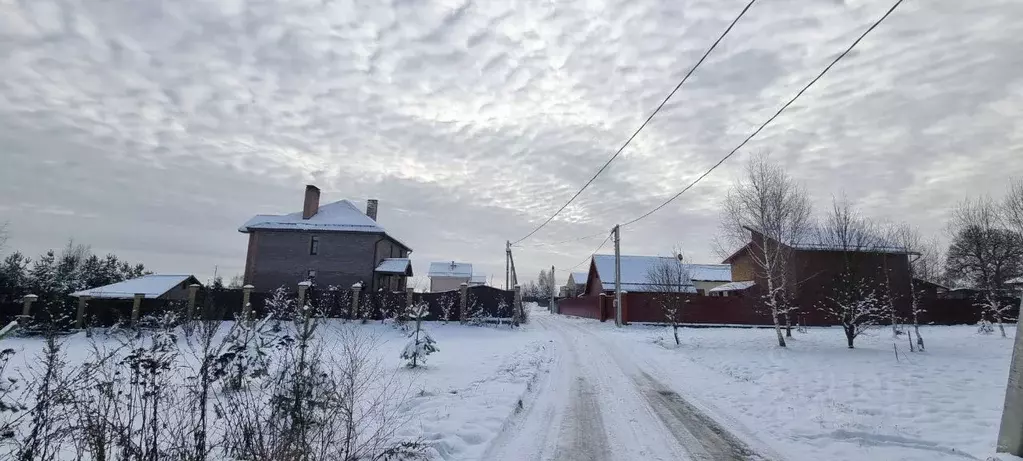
(579, 277)
(395, 266)
(152, 286)
(816, 239)
(1015, 281)
(734, 286)
(339, 216)
(636, 269)
(450, 269)
(479, 279)
(710, 272)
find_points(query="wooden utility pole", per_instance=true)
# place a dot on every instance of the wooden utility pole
(553, 285)
(618, 275)
(507, 264)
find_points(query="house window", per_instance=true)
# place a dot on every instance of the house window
(311, 274)
(314, 245)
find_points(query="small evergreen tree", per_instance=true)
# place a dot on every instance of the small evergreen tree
(420, 344)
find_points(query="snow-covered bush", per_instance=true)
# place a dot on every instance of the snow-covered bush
(985, 327)
(476, 315)
(447, 304)
(247, 353)
(420, 344)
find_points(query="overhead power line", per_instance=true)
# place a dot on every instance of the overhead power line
(591, 254)
(585, 237)
(645, 122)
(771, 119)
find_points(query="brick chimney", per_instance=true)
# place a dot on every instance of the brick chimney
(312, 201)
(371, 208)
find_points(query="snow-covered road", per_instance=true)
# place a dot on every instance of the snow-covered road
(603, 402)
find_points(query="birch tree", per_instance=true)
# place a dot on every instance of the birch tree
(767, 201)
(669, 281)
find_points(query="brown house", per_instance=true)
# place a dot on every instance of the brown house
(332, 245)
(815, 268)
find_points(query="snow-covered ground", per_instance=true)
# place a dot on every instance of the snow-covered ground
(569, 388)
(457, 403)
(817, 399)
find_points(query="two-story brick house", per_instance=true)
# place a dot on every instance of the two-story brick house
(334, 244)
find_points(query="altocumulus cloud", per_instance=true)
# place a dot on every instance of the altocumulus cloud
(153, 129)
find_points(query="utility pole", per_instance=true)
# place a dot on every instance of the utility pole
(618, 276)
(507, 264)
(1010, 434)
(552, 309)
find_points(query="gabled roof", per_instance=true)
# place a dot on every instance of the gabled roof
(478, 279)
(814, 240)
(733, 286)
(579, 277)
(450, 269)
(339, 216)
(395, 266)
(152, 286)
(635, 270)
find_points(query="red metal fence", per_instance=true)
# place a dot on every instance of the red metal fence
(644, 307)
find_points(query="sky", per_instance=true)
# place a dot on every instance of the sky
(154, 129)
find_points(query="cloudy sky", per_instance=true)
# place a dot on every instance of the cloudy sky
(154, 129)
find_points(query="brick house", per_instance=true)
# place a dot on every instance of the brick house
(815, 267)
(334, 244)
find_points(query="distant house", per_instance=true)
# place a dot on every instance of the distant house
(739, 289)
(448, 276)
(154, 286)
(478, 280)
(635, 276)
(576, 284)
(334, 244)
(815, 266)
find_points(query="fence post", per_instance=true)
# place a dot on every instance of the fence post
(246, 305)
(356, 289)
(302, 287)
(602, 307)
(80, 315)
(136, 309)
(193, 289)
(26, 308)
(463, 300)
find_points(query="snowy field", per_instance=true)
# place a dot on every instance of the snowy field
(570, 388)
(818, 400)
(456, 404)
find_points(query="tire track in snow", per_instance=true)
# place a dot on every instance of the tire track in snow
(582, 436)
(689, 424)
(700, 435)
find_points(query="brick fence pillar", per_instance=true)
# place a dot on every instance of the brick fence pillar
(462, 301)
(246, 305)
(356, 289)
